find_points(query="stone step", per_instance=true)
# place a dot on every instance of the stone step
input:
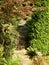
(22, 22)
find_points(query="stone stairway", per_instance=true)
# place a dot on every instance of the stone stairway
(22, 42)
(22, 29)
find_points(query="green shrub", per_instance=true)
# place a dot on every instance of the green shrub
(42, 3)
(38, 31)
(38, 4)
(8, 35)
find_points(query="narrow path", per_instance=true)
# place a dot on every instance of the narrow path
(27, 61)
(22, 29)
(22, 42)
(25, 58)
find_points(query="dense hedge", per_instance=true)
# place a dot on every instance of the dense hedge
(38, 32)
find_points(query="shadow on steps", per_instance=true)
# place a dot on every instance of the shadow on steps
(23, 40)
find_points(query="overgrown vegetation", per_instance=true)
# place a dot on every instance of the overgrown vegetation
(37, 28)
(38, 32)
(8, 32)
(41, 3)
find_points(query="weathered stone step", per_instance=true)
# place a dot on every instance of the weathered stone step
(22, 22)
